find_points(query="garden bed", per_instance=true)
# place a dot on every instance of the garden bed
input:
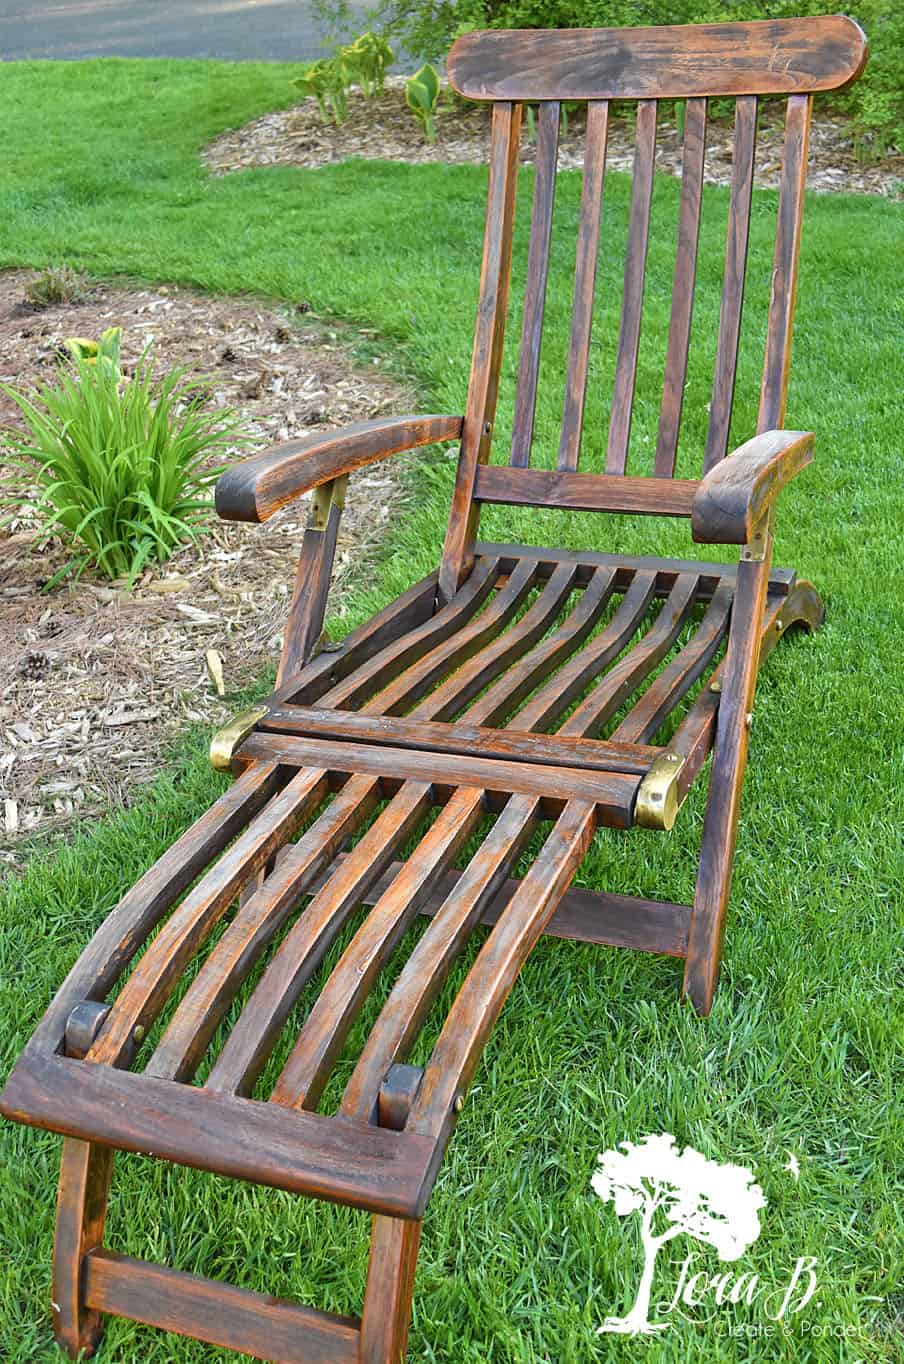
(384, 129)
(94, 680)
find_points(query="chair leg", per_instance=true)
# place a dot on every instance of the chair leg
(85, 1173)
(720, 825)
(390, 1284)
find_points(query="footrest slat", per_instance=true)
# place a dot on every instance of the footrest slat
(221, 1314)
(334, 1159)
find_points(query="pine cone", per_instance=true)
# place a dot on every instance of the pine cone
(34, 666)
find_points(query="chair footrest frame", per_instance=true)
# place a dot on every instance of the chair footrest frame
(336, 1159)
(256, 1324)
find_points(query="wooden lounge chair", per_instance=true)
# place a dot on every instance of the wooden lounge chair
(472, 705)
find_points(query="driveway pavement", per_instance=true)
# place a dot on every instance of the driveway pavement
(234, 30)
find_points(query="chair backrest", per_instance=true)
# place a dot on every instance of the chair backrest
(741, 61)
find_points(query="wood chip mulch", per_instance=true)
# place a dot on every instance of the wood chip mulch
(95, 680)
(385, 129)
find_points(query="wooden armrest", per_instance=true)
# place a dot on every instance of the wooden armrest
(732, 497)
(257, 487)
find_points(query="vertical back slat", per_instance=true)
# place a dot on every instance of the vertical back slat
(584, 282)
(483, 385)
(535, 291)
(733, 283)
(632, 298)
(784, 273)
(683, 286)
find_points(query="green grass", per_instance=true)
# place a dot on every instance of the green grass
(520, 1262)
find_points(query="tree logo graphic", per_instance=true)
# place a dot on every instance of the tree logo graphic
(676, 1192)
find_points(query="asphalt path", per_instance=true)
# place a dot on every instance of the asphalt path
(232, 30)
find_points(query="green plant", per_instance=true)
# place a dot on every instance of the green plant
(122, 466)
(56, 284)
(365, 61)
(104, 352)
(422, 96)
(327, 82)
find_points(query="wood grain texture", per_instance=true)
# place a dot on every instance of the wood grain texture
(629, 672)
(420, 676)
(387, 1296)
(499, 700)
(126, 928)
(489, 336)
(304, 1153)
(735, 495)
(625, 566)
(255, 924)
(255, 488)
(611, 792)
(85, 1173)
(487, 985)
(503, 647)
(583, 915)
(323, 1033)
(298, 956)
(678, 348)
(551, 701)
(586, 261)
(406, 649)
(149, 986)
(632, 295)
(734, 278)
(777, 363)
(585, 492)
(462, 737)
(679, 675)
(414, 992)
(256, 1324)
(408, 611)
(307, 609)
(535, 291)
(765, 57)
(720, 822)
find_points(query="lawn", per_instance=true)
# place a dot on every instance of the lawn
(519, 1261)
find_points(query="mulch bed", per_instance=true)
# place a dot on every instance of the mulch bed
(94, 680)
(385, 129)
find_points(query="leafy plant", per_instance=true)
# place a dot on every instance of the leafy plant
(327, 82)
(365, 61)
(422, 96)
(56, 284)
(122, 466)
(104, 352)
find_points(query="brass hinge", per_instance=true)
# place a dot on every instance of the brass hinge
(658, 800)
(235, 732)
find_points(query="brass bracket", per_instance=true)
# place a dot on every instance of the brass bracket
(227, 740)
(324, 497)
(658, 802)
(760, 542)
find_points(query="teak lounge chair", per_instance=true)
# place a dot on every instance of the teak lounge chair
(482, 691)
